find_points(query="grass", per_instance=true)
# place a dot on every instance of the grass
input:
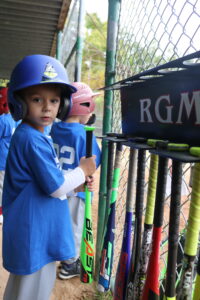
(101, 296)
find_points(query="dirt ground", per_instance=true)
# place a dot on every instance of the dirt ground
(72, 289)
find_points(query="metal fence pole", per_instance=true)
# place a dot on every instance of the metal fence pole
(113, 19)
(59, 45)
(79, 42)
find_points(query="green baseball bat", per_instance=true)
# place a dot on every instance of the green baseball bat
(184, 289)
(87, 243)
(107, 252)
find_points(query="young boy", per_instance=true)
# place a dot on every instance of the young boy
(7, 127)
(69, 140)
(37, 230)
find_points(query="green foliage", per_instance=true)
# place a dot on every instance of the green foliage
(133, 57)
(94, 53)
(93, 63)
(3, 82)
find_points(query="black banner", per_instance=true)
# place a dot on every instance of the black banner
(164, 104)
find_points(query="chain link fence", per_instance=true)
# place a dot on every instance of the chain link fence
(69, 54)
(69, 40)
(152, 33)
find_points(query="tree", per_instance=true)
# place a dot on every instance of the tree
(94, 53)
(93, 63)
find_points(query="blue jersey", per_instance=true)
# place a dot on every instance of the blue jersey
(36, 230)
(70, 144)
(7, 127)
(47, 129)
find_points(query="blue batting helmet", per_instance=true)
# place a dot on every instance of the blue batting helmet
(34, 70)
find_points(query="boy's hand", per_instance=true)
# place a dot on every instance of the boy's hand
(90, 183)
(88, 165)
(80, 188)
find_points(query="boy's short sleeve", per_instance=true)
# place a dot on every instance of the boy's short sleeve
(44, 165)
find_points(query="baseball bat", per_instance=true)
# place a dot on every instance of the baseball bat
(148, 227)
(124, 260)
(173, 229)
(181, 240)
(107, 253)
(111, 155)
(184, 288)
(151, 286)
(196, 295)
(87, 242)
(174, 218)
(136, 247)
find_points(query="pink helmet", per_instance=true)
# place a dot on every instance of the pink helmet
(83, 100)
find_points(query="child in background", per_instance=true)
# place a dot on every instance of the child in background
(37, 229)
(7, 127)
(69, 140)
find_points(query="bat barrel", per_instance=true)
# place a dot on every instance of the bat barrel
(173, 228)
(151, 286)
(124, 260)
(184, 288)
(136, 248)
(148, 227)
(197, 282)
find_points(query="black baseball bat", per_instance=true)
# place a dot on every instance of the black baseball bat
(124, 260)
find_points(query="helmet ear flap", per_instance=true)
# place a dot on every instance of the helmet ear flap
(64, 109)
(18, 112)
(24, 108)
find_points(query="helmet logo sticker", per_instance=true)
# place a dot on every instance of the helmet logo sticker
(49, 72)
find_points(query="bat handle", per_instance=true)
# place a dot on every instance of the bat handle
(89, 135)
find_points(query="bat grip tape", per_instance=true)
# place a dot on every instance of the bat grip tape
(88, 143)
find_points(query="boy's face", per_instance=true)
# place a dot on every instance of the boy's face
(43, 102)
